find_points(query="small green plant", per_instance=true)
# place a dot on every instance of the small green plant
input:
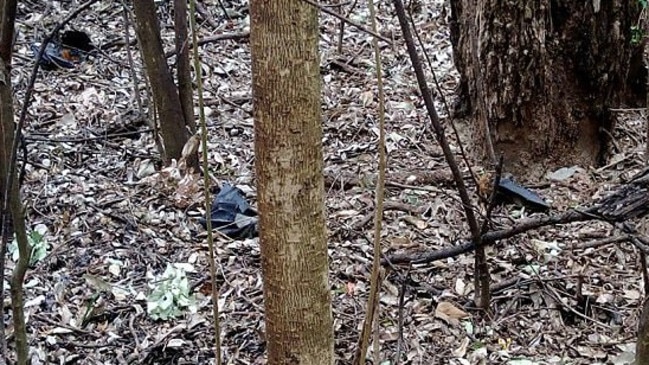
(36, 242)
(638, 32)
(170, 295)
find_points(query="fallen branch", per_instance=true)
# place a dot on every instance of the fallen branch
(490, 238)
(86, 139)
(416, 180)
(629, 201)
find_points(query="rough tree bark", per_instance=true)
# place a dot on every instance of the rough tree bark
(290, 183)
(165, 93)
(543, 75)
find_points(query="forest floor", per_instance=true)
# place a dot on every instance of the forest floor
(112, 221)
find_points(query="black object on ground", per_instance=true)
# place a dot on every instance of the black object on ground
(66, 52)
(76, 39)
(232, 215)
(512, 192)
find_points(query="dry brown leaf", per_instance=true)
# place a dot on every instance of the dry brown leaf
(449, 313)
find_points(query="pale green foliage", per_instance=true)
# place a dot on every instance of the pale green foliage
(36, 242)
(638, 33)
(170, 295)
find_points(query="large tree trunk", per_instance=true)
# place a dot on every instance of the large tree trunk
(165, 93)
(542, 75)
(290, 183)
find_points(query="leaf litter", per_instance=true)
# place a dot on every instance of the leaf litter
(114, 217)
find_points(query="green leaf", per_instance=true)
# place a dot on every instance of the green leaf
(170, 294)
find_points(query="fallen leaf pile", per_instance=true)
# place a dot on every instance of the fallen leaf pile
(115, 218)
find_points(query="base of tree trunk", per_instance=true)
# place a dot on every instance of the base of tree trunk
(541, 77)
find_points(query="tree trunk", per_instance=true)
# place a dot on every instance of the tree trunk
(12, 218)
(8, 11)
(13, 208)
(290, 184)
(184, 72)
(541, 76)
(11, 200)
(165, 93)
(642, 346)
